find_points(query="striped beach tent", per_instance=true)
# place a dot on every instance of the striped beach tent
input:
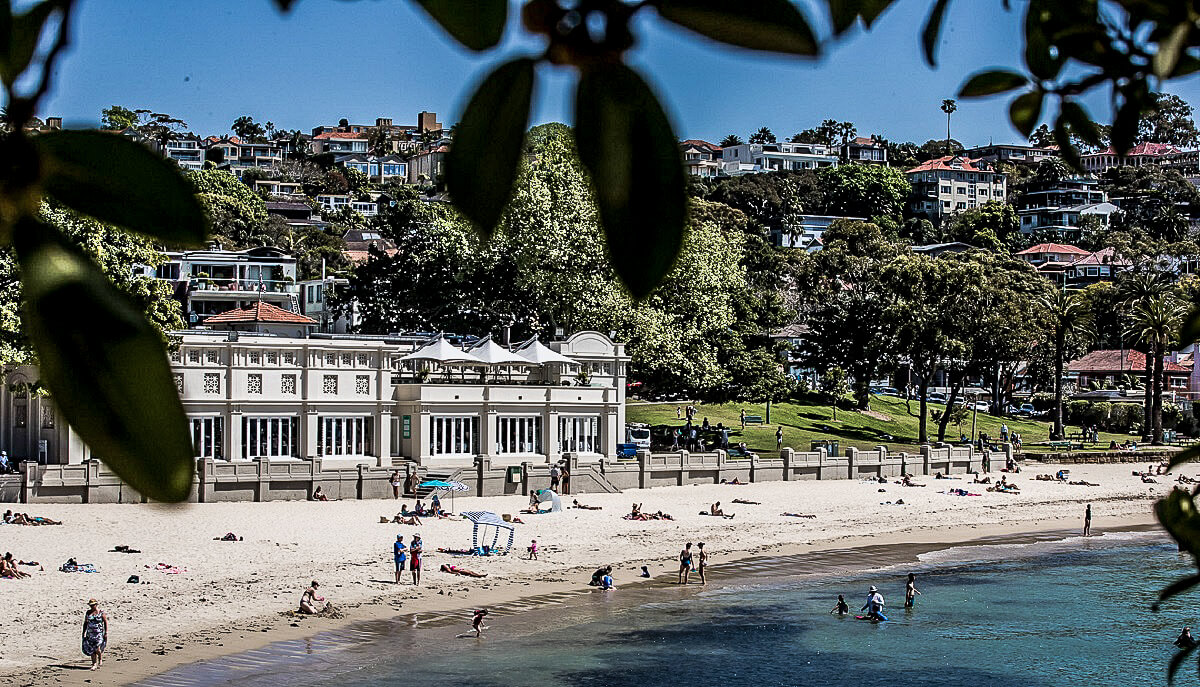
(482, 520)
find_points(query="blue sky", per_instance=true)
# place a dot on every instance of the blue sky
(212, 61)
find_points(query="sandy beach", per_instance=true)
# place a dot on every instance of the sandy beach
(230, 596)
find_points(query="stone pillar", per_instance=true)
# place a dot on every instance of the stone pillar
(483, 464)
(926, 454)
(851, 462)
(787, 455)
(233, 434)
(684, 458)
(262, 488)
(525, 477)
(903, 463)
(488, 432)
(643, 459)
(550, 436)
(383, 436)
(753, 465)
(309, 420)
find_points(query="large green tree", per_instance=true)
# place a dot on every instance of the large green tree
(117, 253)
(860, 190)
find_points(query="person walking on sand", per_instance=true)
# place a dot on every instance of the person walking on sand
(95, 633)
(533, 551)
(410, 484)
(555, 475)
(1087, 521)
(400, 555)
(565, 480)
(414, 551)
(685, 563)
(910, 591)
(395, 480)
(779, 438)
(703, 563)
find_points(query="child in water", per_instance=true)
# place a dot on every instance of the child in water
(842, 608)
(910, 591)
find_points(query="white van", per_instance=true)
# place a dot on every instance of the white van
(638, 434)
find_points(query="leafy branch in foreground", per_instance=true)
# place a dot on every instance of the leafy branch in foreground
(97, 354)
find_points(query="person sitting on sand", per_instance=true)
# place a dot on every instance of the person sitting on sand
(456, 570)
(984, 480)
(599, 575)
(8, 568)
(400, 519)
(907, 481)
(319, 495)
(841, 607)
(747, 503)
(606, 583)
(576, 504)
(1185, 640)
(716, 510)
(309, 599)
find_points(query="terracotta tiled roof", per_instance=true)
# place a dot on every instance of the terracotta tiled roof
(944, 164)
(1104, 256)
(1053, 248)
(701, 143)
(260, 312)
(1144, 148)
(859, 140)
(338, 134)
(1118, 361)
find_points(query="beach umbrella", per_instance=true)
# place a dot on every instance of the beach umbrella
(455, 487)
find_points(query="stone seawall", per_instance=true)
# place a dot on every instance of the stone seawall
(283, 480)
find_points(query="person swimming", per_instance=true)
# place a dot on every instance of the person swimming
(1185, 640)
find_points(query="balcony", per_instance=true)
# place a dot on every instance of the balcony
(243, 287)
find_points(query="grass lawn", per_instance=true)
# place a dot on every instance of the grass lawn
(889, 416)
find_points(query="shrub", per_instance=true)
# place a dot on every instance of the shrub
(1042, 401)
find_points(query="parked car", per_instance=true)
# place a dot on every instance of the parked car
(886, 391)
(936, 397)
(1027, 410)
(982, 406)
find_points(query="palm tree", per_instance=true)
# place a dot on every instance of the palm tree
(1068, 318)
(949, 107)
(1156, 322)
(731, 140)
(1135, 289)
(763, 135)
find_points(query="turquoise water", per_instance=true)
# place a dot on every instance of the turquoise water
(1048, 613)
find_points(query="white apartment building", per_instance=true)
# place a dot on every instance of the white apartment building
(701, 158)
(186, 152)
(213, 281)
(753, 158)
(357, 400)
(948, 185)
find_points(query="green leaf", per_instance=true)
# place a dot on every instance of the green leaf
(1125, 124)
(1038, 58)
(1191, 327)
(843, 13)
(633, 156)
(479, 25)
(482, 165)
(1185, 456)
(1169, 50)
(770, 25)
(105, 366)
(1081, 124)
(991, 82)
(118, 181)
(24, 34)
(1025, 110)
(933, 29)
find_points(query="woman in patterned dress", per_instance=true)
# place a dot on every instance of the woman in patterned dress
(95, 633)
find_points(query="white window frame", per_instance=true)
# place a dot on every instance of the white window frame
(453, 435)
(345, 435)
(579, 434)
(208, 436)
(270, 436)
(519, 435)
